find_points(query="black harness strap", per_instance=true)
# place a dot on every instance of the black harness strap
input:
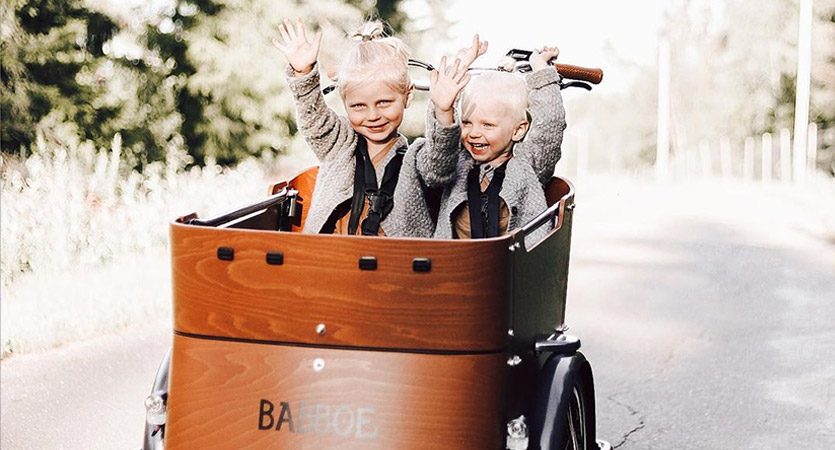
(380, 200)
(484, 206)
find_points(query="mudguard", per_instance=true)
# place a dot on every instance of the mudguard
(556, 379)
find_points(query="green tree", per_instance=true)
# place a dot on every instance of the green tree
(51, 57)
(228, 79)
(198, 74)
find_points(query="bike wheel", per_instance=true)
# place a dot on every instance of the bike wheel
(576, 421)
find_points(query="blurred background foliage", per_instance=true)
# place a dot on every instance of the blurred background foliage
(201, 74)
(733, 66)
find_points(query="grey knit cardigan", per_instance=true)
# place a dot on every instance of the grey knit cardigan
(426, 163)
(532, 163)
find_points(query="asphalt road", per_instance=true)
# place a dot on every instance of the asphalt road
(85, 395)
(707, 312)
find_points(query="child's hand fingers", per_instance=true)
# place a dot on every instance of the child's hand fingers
(479, 47)
(291, 30)
(300, 28)
(278, 45)
(442, 65)
(483, 49)
(453, 72)
(550, 51)
(300, 31)
(476, 44)
(460, 75)
(282, 30)
(433, 77)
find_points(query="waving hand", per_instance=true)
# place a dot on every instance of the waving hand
(300, 53)
(445, 84)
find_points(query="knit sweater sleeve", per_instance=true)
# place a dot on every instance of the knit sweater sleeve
(542, 146)
(438, 157)
(322, 129)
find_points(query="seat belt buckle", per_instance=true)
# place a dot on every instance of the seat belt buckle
(376, 202)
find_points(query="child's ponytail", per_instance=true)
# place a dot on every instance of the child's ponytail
(373, 56)
(368, 31)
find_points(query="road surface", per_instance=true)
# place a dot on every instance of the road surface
(708, 315)
(706, 310)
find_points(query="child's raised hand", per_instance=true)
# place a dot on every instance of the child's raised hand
(300, 53)
(539, 58)
(469, 54)
(445, 84)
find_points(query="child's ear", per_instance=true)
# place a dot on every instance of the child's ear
(410, 95)
(520, 131)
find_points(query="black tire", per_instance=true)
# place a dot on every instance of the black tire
(575, 421)
(579, 419)
(563, 413)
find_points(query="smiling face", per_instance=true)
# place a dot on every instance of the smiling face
(375, 110)
(489, 128)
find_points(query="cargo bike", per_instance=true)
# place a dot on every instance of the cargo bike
(284, 340)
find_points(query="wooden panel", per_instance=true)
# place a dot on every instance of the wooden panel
(558, 188)
(461, 305)
(358, 400)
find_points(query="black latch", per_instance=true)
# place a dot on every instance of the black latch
(275, 258)
(225, 253)
(368, 263)
(422, 265)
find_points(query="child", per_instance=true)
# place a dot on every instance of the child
(371, 181)
(498, 186)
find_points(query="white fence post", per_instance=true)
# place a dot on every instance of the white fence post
(802, 90)
(785, 155)
(748, 159)
(725, 157)
(765, 157)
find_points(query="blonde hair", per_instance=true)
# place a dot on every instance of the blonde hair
(508, 88)
(373, 56)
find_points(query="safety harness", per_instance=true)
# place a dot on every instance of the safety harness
(380, 200)
(484, 206)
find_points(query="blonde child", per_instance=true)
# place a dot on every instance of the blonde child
(498, 183)
(371, 181)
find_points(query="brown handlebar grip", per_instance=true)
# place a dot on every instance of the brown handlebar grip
(592, 75)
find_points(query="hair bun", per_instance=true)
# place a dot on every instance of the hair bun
(368, 31)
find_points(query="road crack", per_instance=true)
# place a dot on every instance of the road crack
(632, 412)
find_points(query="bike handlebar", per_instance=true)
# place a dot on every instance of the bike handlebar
(592, 75)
